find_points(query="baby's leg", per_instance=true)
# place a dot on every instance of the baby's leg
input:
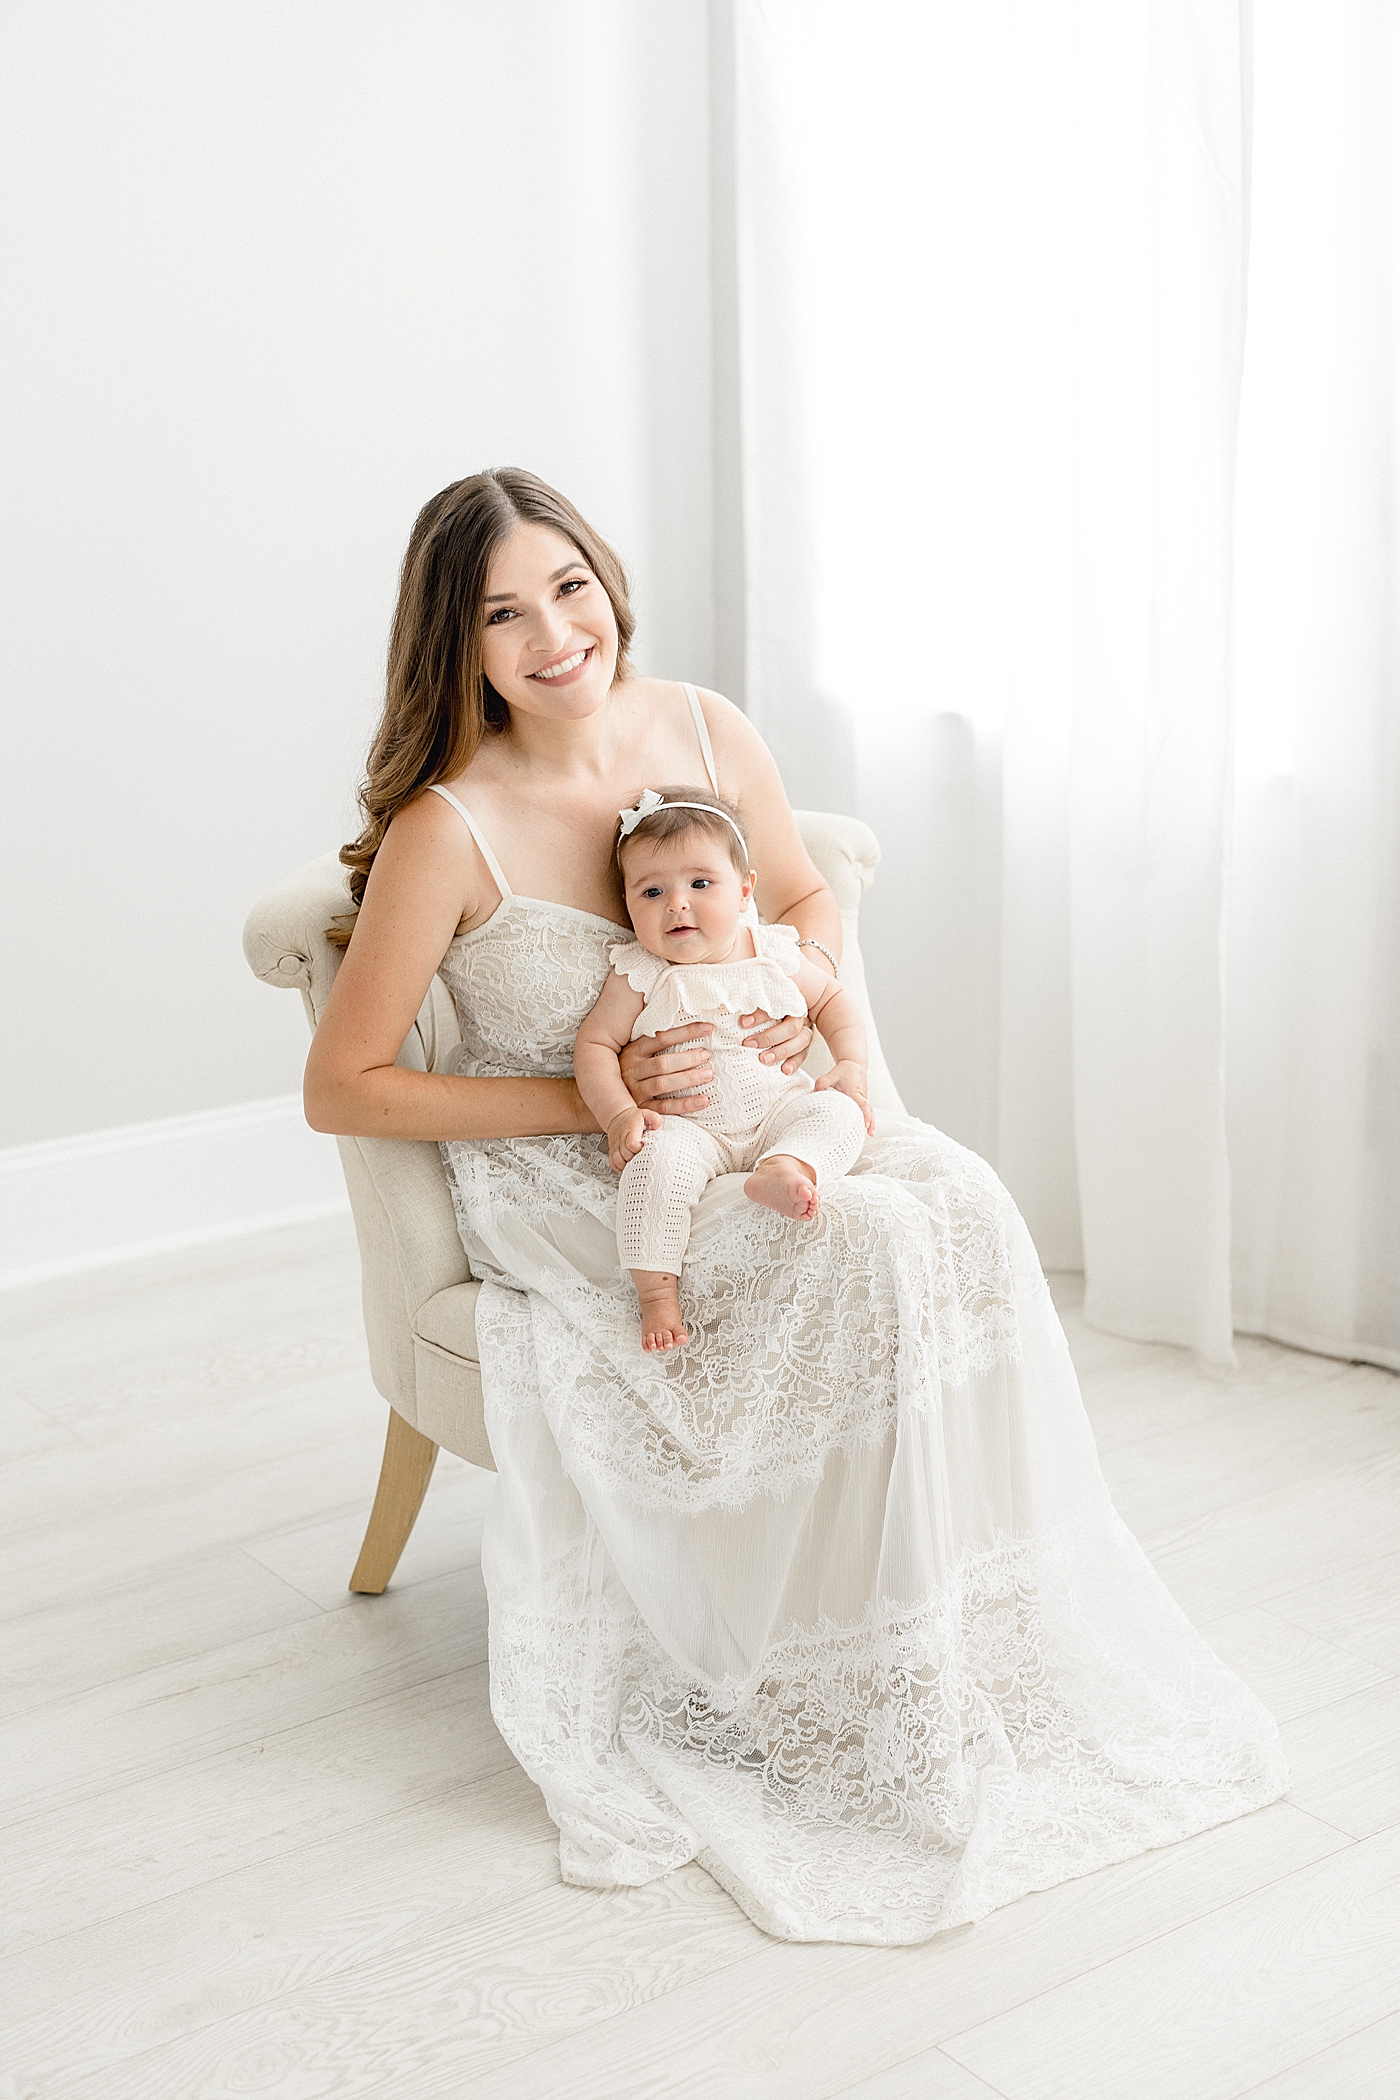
(659, 1189)
(808, 1139)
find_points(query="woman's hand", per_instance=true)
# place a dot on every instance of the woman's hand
(784, 1042)
(626, 1132)
(847, 1077)
(655, 1065)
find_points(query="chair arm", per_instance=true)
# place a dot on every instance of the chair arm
(410, 1249)
(846, 854)
(845, 851)
(284, 938)
(285, 942)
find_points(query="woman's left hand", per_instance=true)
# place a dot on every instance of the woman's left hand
(785, 1042)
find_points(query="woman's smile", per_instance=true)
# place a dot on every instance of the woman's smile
(565, 669)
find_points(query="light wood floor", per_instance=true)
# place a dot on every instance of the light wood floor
(262, 1837)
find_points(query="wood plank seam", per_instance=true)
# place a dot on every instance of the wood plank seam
(259, 1739)
(1302, 2062)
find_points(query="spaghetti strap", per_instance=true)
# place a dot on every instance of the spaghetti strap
(497, 874)
(698, 717)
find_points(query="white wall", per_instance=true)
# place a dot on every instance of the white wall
(283, 268)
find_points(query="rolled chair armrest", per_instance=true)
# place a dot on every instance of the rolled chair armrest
(284, 938)
(846, 852)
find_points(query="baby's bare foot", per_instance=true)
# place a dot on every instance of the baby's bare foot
(662, 1326)
(785, 1185)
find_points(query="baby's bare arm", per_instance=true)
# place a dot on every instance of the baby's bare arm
(832, 1010)
(834, 1013)
(598, 1045)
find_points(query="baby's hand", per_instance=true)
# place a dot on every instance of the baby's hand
(625, 1134)
(850, 1078)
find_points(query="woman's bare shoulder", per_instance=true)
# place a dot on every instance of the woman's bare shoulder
(741, 756)
(427, 823)
(428, 845)
(646, 690)
(730, 728)
(721, 712)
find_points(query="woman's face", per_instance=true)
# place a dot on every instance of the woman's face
(549, 646)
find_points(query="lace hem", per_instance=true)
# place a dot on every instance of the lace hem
(884, 1778)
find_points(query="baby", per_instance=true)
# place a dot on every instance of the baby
(700, 955)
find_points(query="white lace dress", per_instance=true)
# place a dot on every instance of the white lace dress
(833, 1600)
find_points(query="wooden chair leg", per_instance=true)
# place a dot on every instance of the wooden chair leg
(409, 1458)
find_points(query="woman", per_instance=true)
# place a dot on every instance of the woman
(834, 1599)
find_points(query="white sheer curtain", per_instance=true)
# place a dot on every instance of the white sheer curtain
(991, 269)
(1313, 962)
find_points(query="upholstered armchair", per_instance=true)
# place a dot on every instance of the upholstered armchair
(419, 1297)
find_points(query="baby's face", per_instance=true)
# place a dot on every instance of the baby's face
(684, 897)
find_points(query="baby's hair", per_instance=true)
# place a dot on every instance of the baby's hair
(717, 818)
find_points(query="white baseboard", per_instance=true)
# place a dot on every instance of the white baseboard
(115, 1195)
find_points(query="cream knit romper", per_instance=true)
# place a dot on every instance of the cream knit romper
(755, 1109)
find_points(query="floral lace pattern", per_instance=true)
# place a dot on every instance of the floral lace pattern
(805, 1340)
(834, 1598)
(884, 1778)
(523, 982)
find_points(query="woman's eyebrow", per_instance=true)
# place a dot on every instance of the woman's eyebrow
(501, 597)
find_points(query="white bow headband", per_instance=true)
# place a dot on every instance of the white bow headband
(650, 802)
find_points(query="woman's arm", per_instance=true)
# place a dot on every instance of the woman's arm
(426, 880)
(791, 890)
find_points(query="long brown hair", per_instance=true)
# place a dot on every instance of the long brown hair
(438, 702)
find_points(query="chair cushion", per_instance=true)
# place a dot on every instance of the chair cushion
(449, 1320)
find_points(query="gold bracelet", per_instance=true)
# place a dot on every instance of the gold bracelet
(825, 951)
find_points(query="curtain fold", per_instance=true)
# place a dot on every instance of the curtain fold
(1313, 975)
(990, 272)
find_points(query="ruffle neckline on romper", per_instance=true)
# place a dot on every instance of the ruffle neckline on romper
(679, 992)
